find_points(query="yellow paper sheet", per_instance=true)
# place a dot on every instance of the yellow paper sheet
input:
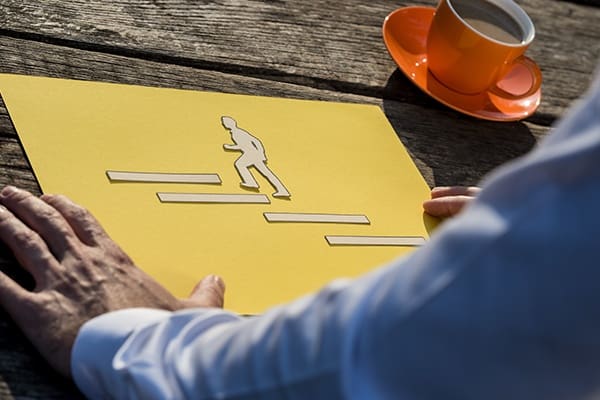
(332, 157)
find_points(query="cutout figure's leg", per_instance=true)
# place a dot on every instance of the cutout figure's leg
(241, 165)
(281, 191)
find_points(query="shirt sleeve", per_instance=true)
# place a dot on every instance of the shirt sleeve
(501, 303)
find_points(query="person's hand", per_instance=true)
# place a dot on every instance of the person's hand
(79, 273)
(449, 201)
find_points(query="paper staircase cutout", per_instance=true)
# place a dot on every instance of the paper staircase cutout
(213, 198)
(334, 240)
(162, 177)
(316, 218)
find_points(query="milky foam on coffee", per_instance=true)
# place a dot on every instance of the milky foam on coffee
(489, 20)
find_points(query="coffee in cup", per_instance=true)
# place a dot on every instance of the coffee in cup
(473, 44)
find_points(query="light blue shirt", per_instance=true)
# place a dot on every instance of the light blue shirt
(502, 303)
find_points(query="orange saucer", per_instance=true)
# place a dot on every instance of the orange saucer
(405, 35)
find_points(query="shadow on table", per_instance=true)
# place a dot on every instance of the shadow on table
(450, 148)
(23, 372)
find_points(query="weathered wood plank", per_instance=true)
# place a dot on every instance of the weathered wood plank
(24, 375)
(329, 46)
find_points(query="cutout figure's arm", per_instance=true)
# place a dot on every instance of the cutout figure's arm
(231, 147)
(258, 145)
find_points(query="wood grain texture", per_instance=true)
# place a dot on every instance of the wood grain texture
(330, 46)
(299, 49)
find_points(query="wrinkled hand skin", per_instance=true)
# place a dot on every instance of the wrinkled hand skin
(449, 201)
(79, 271)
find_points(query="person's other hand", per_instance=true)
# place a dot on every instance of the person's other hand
(79, 273)
(449, 201)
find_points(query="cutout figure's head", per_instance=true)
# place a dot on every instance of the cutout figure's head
(228, 122)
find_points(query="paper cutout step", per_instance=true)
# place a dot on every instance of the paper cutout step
(334, 240)
(162, 177)
(316, 218)
(331, 156)
(213, 198)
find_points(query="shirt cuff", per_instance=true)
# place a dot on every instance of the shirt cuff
(99, 340)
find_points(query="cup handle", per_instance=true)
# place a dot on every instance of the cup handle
(517, 83)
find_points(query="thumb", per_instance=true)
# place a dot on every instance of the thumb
(209, 292)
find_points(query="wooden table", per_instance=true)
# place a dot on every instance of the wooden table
(301, 49)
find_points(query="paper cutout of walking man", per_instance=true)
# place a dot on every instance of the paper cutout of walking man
(253, 155)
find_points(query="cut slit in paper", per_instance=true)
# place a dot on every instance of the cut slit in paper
(253, 155)
(334, 240)
(160, 177)
(213, 198)
(316, 218)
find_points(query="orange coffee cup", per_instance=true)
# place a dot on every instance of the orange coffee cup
(473, 44)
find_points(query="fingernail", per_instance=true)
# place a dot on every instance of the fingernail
(218, 281)
(439, 189)
(2, 208)
(8, 190)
